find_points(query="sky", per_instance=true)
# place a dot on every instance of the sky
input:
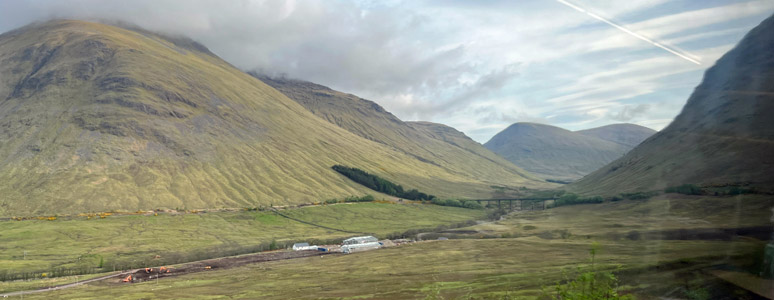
(477, 66)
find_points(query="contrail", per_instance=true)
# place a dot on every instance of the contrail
(632, 33)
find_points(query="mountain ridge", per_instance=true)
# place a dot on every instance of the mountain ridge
(556, 153)
(723, 135)
(429, 142)
(97, 118)
(626, 134)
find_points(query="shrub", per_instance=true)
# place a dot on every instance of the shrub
(697, 294)
(687, 189)
(366, 198)
(593, 199)
(567, 199)
(736, 190)
(572, 199)
(453, 202)
(639, 195)
(456, 203)
(472, 205)
(588, 284)
(545, 194)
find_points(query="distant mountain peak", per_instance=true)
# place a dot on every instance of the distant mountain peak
(433, 143)
(629, 135)
(557, 153)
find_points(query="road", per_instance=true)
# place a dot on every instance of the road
(64, 286)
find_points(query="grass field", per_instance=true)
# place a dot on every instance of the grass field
(542, 245)
(376, 219)
(617, 220)
(453, 269)
(81, 243)
(24, 285)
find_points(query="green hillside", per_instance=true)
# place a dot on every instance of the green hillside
(556, 153)
(96, 117)
(432, 143)
(723, 136)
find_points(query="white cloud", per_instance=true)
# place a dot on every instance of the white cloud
(705, 35)
(660, 27)
(475, 65)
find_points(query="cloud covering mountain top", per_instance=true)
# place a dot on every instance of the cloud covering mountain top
(477, 66)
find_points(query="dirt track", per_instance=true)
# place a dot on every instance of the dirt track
(220, 263)
(64, 286)
(140, 275)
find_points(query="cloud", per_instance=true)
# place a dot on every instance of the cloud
(485, 85)
(630, 112)
(664, 26)
(475, 65)
(336, 43)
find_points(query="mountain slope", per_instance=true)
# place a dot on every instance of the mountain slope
(629, 135)
(95, 117)
(724, 134)
(436, 144)
(553, 152)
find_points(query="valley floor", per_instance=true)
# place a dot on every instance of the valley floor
(32, 247)
(668, 246)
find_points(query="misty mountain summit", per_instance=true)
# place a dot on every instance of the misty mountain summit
(98, 118)
(138, 163)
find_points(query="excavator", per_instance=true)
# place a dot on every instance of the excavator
(161, 270)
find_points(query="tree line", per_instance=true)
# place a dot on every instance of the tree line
(379, 184)
(457, 203)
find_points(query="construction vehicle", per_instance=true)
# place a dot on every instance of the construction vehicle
(128, 279)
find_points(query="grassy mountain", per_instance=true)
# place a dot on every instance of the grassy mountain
(555, 153)
(724, 134)
(629, 135)
(432, 143)
(95, 117)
